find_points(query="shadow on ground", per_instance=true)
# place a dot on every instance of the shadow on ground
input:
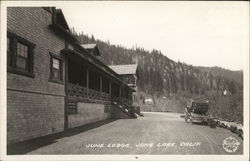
(30, 145)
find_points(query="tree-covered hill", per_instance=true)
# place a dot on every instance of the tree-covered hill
(161, 76)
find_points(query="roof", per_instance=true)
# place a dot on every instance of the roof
(89, 46)
(60, 17)
(124, 69)
(59, 23)
(92, 47)
(199, 100)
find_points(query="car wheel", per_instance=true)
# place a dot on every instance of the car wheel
(211, 123)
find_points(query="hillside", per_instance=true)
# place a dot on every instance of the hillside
(161, 76)
(228, 74)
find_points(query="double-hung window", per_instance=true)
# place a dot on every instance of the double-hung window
(22, 56)
(20, 53)
(56, 68)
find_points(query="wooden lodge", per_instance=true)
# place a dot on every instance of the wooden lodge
(53, 82)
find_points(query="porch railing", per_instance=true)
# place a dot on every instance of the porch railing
(78, 93)
(75, 90)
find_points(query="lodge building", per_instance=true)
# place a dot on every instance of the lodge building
(128, 73)
(53, 82)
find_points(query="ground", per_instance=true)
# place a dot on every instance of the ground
(155, 133)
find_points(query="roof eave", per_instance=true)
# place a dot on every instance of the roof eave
(56, 27)
(59, 11)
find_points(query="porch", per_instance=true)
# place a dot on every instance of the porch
(92, 89)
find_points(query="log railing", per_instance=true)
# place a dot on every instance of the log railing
(76, 90)
(78, 93)
(96, 95)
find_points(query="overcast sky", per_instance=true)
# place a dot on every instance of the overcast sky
(197, 33)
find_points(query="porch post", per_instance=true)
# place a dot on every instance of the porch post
(110, 89)
(100, 83)
(66, 95)
(87, 82)
(120, 92)
(138, 96)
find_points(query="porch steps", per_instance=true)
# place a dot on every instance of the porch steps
(127, 110)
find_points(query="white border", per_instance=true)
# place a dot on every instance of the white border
(3, 113)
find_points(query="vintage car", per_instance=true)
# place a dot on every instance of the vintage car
(197, 112)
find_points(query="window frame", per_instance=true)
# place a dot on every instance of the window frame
(51, 78)
(12, 67)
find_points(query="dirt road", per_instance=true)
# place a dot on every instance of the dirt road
(155, 133)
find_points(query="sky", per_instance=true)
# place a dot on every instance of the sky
(197, 33)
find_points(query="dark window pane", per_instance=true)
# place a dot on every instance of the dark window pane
(22, 50)
(56, 74)
(21, 62)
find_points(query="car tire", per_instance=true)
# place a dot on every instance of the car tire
(211, 124)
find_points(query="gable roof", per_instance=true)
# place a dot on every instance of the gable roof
(89, 46)
(92, 47)
(125, 69)
(61, 19)
(60, 25)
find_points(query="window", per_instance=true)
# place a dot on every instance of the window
(22, 56)
(69, 46)
(56, 69)
(19, 55)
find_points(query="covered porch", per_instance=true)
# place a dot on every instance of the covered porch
(87, 82)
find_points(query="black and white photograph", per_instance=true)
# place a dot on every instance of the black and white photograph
(131, 80)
